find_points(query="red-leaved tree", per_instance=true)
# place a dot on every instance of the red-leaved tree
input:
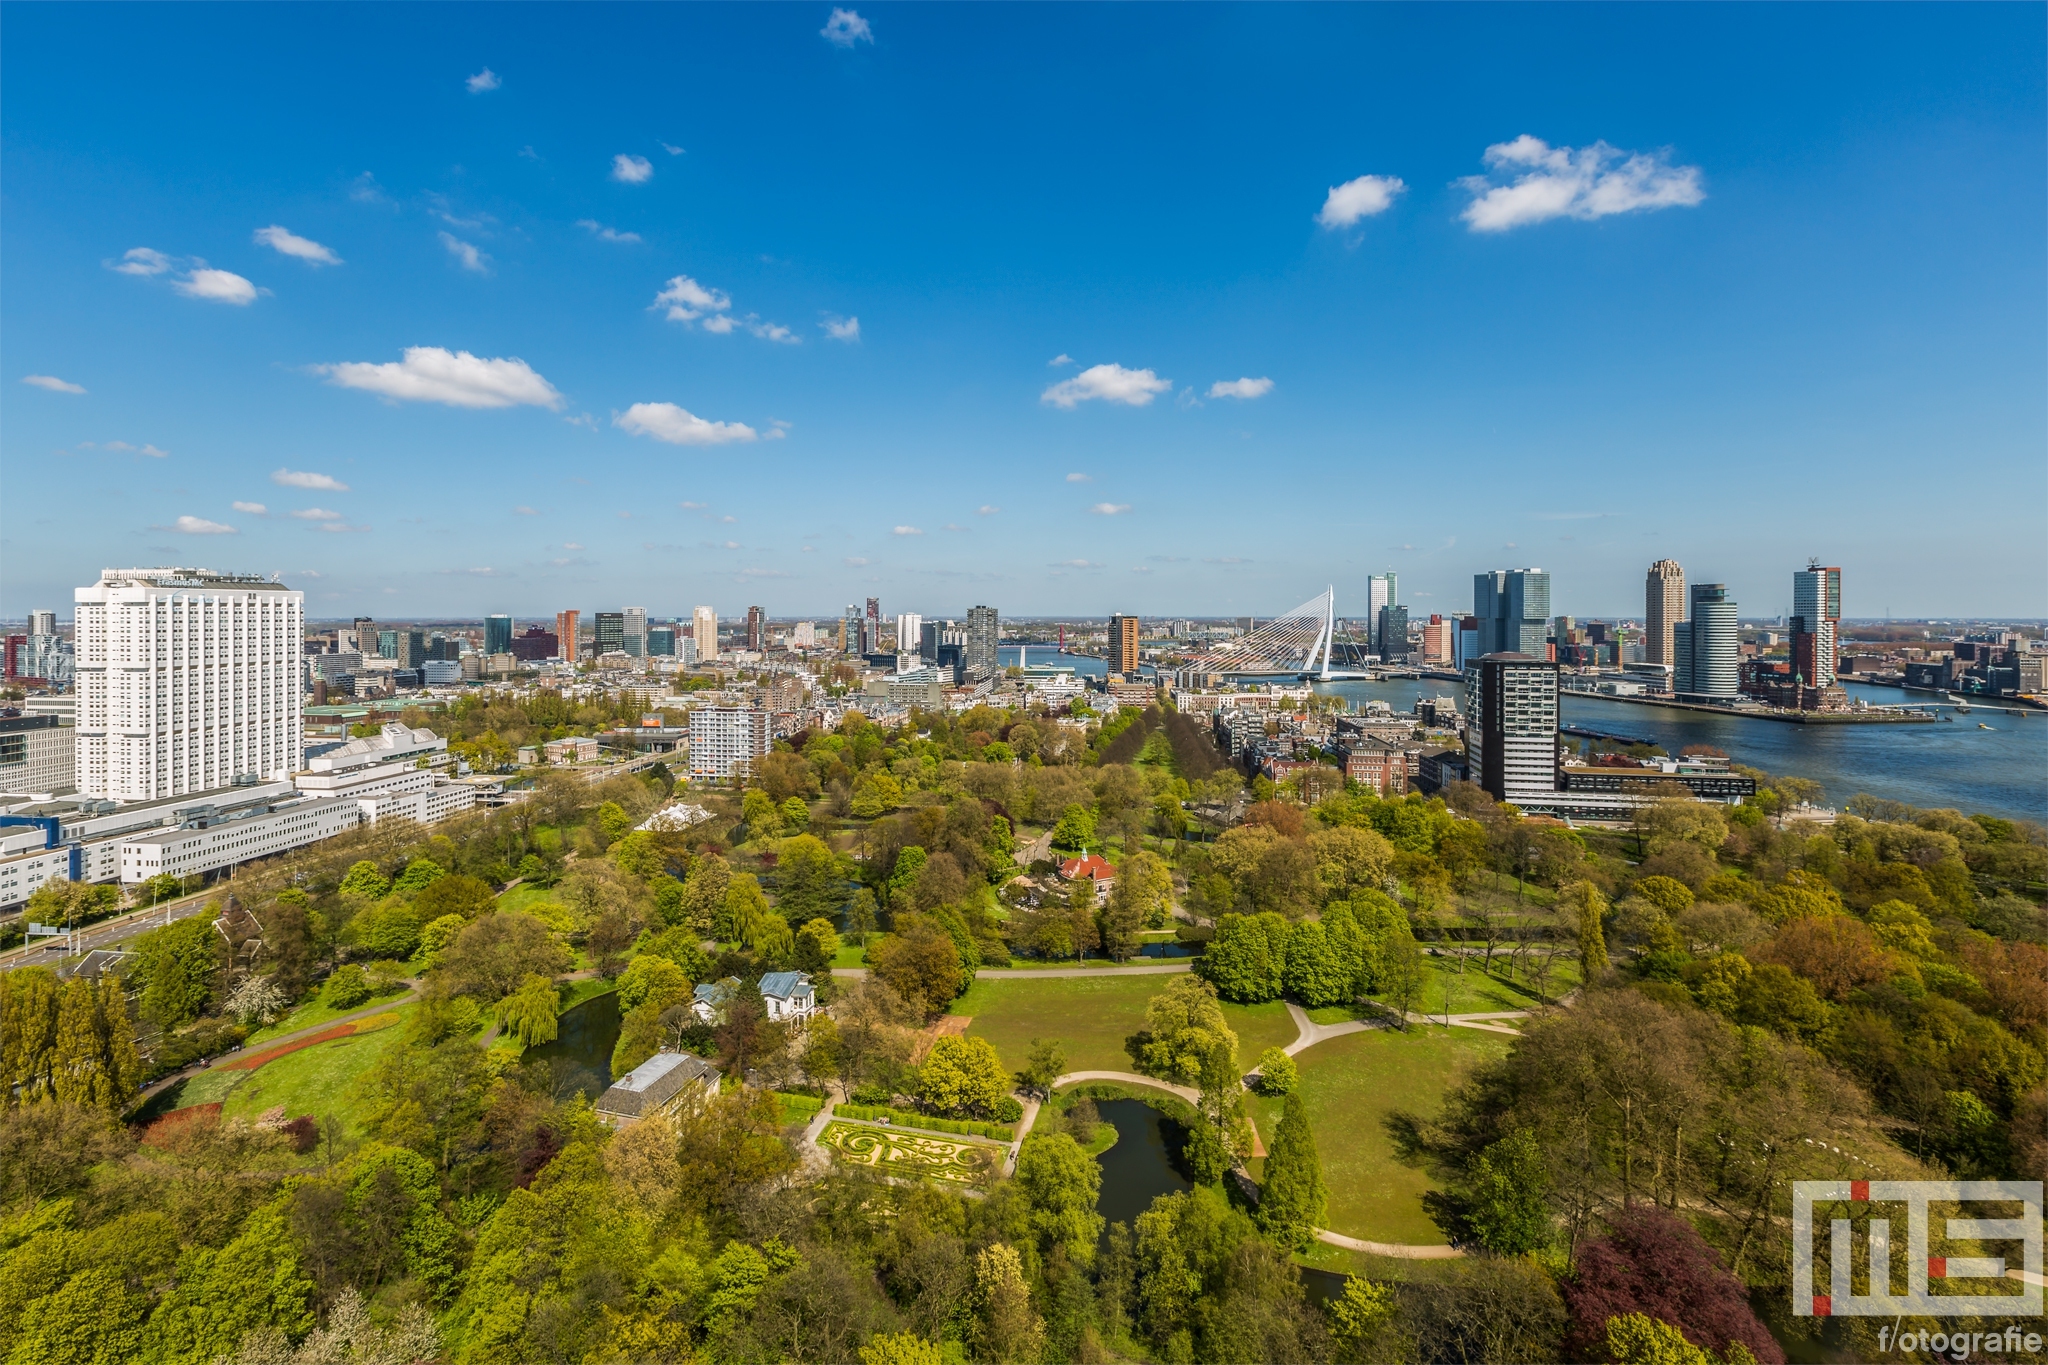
(1653, 1263)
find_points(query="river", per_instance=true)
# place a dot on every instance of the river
(2001, 771)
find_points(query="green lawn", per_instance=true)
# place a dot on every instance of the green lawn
(520, 897)
(580, 991)
(851, 955)
(313, 1080)
(1472, 991)
(313, 1012)
(1259, 1027)
(1092, 1017)
(1351, 1084)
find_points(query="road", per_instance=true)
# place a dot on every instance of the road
(109, 931)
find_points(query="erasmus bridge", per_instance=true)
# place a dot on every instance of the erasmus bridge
(1296, 644)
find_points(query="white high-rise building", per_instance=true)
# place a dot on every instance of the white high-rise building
(704, 625)
(635, 639)
(725, 740)
(909, 630)
(1381, 590)
(188, 679)
(1707, 649)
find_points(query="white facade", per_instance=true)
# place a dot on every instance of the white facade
(704, 628)
(909, 632)
(36, 756)
(186, 851)
(187, 680)
(635, 636)
(27, 861)
(726, 739)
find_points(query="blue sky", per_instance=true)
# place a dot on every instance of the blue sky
(465, 309)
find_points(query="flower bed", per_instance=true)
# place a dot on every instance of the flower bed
(256, 1059)
(910, 1155)
(906, 1119)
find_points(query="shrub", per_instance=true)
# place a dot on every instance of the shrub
(1278, 1075)
(1008, 1109)
(347, 988)
(871, 1093)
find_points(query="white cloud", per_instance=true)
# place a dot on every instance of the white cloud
(692, 506)
(432, 374)
(200, 526)
(254, 509)
(772, 331)
(671, 149)
(1111, 384)
(904, 531)
(571, 545)
(1080, 478)
(632, 170)
(841, 329)
(306, 478)
(316, 514)
(857, 562)
(687, 301)
(1077, 564)
(1110, 509)
(678, 427)
(1360, 198)
(469, 256)
(221, 286)
(1061, 359)
(1585, 183)
(153, 452)
(987, 509)
(291, 244)
(954, 526)
(143, 261)
(524, 511)
(1240, 388)
(845, 28)
(605, 234)
(52, 383)
(483, 80)
(364, 189)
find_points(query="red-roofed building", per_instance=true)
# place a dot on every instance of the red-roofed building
(1095, 868)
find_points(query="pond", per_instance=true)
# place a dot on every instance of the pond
(582, 1050)
(1140, 1167)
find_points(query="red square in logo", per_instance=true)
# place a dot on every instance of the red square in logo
(1859, 1189)
(1821, 1306)
(1937, 1267)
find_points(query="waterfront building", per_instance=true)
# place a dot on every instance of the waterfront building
(1663, 609)
(497, 635)
(565, 634)
(1816, 623)
(1513, 611)
(188, 680)
(984, 630)
(1707, 648)
(1438, 642)
(1123, 645)
(1511, 738)
(725, 740)
(1381, 590)
(1465, 649)
(1390, 638)
(704, 626)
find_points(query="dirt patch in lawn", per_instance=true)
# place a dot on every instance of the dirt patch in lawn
(947, 1026)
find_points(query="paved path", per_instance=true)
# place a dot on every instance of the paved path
(1311, 1033)
(1406, 1251)
(1041, 973)
(384, 1006)
(1129, 1078)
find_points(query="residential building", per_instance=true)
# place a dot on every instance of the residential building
(1390, 636)
(565, 634)
(188, 680)
(1381, 590)
(871, 628)
(497, 635)
(726, 740)
(665, 1083)
(910, 634)
(387, 644)
(1663, 609)
(704, 627)
(1437, 769)
(850, 631)
(1091, 867)
(634, 638)
(1123, 645)
(1816, 623)
(661, 642)
(412, 648)
(788, 996)
(1438, 644)
(610, 635)
(804, 635)
(757, 629)
(1511, 737)
(1707, 648)
(1381, 765)
(984, 632)
(38, 756)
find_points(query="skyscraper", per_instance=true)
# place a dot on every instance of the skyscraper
(850, 630)
(704, 625)
(611, 632)
(984, 629)
(1511, 737)
(910, 633)
(1513, 607)
(1663, 608)
(1123, 645)
(634, 638)
(661, 642)
(757, 629)
(1381, 590)
(497, 635)
(1816, 617)
(187, 680)
(1390, 632)
(1707, 647)
(565, 634)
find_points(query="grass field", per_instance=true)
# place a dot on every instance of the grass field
(314, 1081)
(1259, 1027)
(309, 1014)
(1092, 1017)
(1351, 1084)
(520, 897)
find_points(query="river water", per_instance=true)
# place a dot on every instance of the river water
(2000, 771)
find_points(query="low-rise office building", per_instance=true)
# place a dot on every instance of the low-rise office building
(36, 756)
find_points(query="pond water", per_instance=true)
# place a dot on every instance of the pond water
(1140, 1167)
(582, 1050)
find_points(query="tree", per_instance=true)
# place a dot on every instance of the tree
(901, 1348)
(364, 882)
(809, 882)
(1315, 975)
(1358, 1316)
(258, 1000)
(1653, 1263)
(1587, 908)
(419, 874)
(1221, 1135)
(1505, 1205)
(652, 978)
(530, 1014)
(1184, 1024)
(920, 963)
(1045, 1061)
(1075, 830)
(761, 814)
(860, 916)
(178, 966)
(1402, 974)
(346, 989)
(1350, 859)
(1633, 1339)
(962, 1075)
(492, 956)
(744, 911)
(457, 895)
(1292, 1199)
(1278, 1073)
(1141, 897)
(1005, 1329)
(704, 891)
(390, 928)
(817, 943)
(1671, 896)
(1239, 961)
(1062, 1183)
(95, 1061)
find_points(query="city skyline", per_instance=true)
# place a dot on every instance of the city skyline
(577, 331)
